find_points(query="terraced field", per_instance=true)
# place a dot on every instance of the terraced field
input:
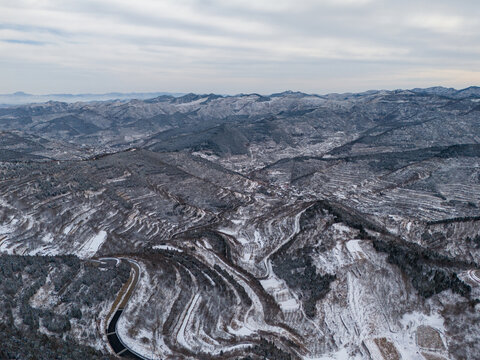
(291, 226)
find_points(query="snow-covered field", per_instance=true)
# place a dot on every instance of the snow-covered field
(92, 245)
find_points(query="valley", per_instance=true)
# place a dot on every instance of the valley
(287, 226)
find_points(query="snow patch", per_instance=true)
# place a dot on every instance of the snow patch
(47, 238)
(341, 228)
(91, 246)
(354, 246)
(416, 318)
(67, 229)
(271, 283)
(167, 247)
(289, 305)
(341, 354)
(241, 331)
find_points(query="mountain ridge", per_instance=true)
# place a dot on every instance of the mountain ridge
(22, 98)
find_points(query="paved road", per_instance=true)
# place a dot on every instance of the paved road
(116, 343)
(114, 339)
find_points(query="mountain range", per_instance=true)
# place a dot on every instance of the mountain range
(205, 226)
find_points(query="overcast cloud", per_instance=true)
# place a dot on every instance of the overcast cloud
(232, 46)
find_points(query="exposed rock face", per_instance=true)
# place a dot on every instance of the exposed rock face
(281, 227)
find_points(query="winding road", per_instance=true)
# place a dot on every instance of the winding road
(116, 343)
(474, 275)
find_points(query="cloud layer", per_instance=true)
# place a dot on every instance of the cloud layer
(237, 45)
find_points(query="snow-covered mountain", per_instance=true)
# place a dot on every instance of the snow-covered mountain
(21, 98)
(287, 226)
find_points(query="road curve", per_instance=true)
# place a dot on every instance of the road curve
(474, 275)
(114, 340)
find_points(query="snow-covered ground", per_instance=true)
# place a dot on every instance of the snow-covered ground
(167, 247)
(92, 245)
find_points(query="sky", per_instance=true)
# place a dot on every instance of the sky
(237, 46)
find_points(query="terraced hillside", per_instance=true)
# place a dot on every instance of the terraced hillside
(288, 226)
